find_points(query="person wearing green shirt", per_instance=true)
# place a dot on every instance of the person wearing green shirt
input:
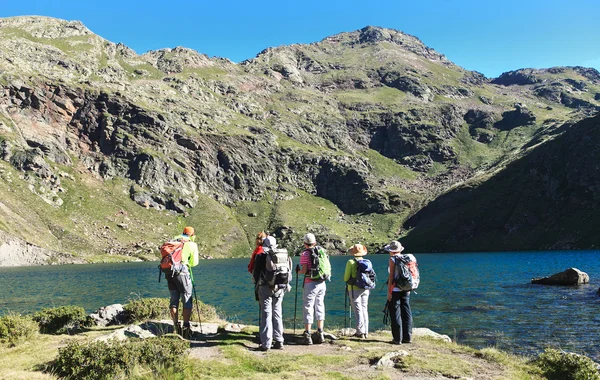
(181, 285)
(358, 296)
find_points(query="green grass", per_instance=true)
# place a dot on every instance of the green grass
(206, 73)
(69, 45)
(263, 209)
(386, 167)
(230, 356)
(470, 152)
(153, 72)
(87, 221)
(308, 213)
(380, 95)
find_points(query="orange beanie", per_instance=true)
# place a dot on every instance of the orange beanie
(189, 231)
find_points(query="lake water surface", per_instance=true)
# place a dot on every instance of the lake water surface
(478, 299)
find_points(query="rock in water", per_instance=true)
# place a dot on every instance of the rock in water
(571, 276)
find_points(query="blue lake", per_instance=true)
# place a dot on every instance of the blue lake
(478, 299)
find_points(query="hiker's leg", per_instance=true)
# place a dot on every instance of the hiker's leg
(395, 316)
(186, 298)
(320, 290)
(309, 297)
(187, 313)
(173, 306)
(365, 307)
(352, 295)
(407, 320)
(266, 325)
(359, 310)
(278, 318)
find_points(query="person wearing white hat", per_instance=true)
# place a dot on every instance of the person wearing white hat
(313, 294)
(398, 300)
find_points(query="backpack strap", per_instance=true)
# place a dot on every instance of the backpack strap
(352, 280)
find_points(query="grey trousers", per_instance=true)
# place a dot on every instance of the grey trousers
(271, 319)
(314, 301)
(360, 305)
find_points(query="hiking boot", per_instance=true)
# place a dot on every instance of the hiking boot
(277, 346)
(319, 337)
(263, 348)
(186, 332)
(306, 339)
(395, 342)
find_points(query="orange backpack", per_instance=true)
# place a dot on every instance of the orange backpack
(170, 264)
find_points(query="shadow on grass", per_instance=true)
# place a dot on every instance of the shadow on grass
(249, 340)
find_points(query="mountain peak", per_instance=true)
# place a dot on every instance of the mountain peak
(375, 35)
(46, 27)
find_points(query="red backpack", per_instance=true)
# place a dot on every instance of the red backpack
(170, 264)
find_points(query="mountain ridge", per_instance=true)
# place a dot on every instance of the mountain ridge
(345, 139)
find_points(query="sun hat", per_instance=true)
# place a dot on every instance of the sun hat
(310, 239)
(189, 231)
(358, 250)
(394, 246)
(269, 242)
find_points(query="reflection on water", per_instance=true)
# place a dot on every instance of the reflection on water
(480, 299)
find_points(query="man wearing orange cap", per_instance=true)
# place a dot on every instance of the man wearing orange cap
(181, 285)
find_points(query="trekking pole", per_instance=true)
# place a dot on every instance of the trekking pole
(351, 305)
(196, 298)
(197, 308)
(346, 307)
(295, 303)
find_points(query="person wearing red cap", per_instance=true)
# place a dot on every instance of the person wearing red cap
(181, 285)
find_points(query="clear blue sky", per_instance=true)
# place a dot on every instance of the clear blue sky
(489, 36)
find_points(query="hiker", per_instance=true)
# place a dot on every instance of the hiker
(181, 285)
(359, 296)
(398, 300)
(272, 274)
(257, 250)
(313, 295)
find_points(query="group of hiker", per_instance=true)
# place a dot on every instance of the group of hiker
(271, 269)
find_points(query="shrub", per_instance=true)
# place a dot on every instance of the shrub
(559, 365)
(143, 309)
(15, 328)
(100, 360)
(57, 320)
(147, 308)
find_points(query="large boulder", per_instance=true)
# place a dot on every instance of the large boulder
(109, 315)
(571, 276)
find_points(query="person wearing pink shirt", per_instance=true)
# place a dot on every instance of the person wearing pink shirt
(313, 295)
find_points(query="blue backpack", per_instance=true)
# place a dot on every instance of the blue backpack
(365, 275)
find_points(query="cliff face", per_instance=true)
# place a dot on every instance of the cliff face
(103, 148)
(546, 200)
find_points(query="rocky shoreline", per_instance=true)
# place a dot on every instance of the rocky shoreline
(17, 252)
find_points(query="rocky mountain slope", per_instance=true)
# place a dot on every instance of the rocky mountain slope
(108, 152)
(546, 200)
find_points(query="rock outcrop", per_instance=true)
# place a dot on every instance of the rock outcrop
(109, 315)
(571, 276)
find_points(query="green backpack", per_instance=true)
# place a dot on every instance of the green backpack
(320, 268)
